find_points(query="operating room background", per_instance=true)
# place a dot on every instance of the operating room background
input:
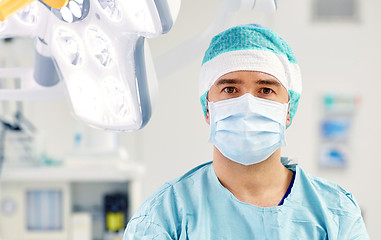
(335, 57)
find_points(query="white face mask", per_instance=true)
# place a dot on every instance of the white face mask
(247, 129)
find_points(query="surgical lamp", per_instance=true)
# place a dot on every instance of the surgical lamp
(97, 48)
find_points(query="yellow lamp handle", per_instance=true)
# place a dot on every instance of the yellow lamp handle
(9, 7)
(56, 3)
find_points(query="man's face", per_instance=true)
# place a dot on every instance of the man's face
(259, 84)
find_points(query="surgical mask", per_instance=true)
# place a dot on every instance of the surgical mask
(247, 129)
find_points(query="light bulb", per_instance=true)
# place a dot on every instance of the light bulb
(76, 9)
(66, 14)
(100, 46)
(70, 46)
(116, 97)
(29, 14)
(111, 9)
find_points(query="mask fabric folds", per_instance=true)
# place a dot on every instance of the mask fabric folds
(247, 129)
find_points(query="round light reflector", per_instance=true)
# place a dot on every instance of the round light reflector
(112, 9)
(29, 14)
(116, 97)
(100, 46)
(70, 46)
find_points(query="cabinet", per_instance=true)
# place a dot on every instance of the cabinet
(73, 189)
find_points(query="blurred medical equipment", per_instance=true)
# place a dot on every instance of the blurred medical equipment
(115, 208)
(66, 191)
(17, 140)
(338, 115)
(44, 210)
(98, 49)
(35, 211)
(102, 58)
(81, 226)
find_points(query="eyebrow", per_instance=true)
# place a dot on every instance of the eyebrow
(228, 81)
(269, 82)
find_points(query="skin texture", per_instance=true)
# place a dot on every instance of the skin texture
(263, 184)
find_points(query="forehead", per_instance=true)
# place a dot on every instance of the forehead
(248, 77)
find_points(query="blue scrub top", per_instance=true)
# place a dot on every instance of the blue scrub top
(197, 207)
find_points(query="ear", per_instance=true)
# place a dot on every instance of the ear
(207, 117)
(288, 120)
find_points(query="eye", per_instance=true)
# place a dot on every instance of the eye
(266, 91)
(230, 90)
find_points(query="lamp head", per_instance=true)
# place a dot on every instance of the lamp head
(99, 51)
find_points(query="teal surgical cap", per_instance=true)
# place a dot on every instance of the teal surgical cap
(251, 48)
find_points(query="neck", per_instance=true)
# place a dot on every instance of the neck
(263, 184)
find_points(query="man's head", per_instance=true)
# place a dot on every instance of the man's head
(250, 51)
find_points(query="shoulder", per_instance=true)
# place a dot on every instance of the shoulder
(160, 216)
(336, 206)
(328, 193)
(190, 178)
(173, 191)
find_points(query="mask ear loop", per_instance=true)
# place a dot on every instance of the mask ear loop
(210, 117)
(212, 124)
(283, 129)
(288, 112)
